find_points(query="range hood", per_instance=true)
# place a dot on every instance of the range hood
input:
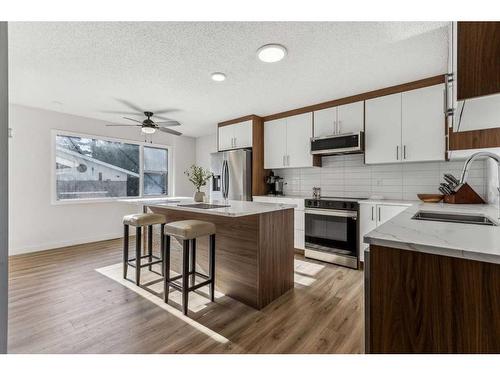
(338, 144)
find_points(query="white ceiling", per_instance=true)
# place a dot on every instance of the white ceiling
(83, 68)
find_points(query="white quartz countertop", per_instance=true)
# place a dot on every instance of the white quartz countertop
(469, 241)
(393, 202)
(234, 209)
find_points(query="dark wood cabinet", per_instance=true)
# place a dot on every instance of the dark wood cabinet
(424, 303)
(478, 59)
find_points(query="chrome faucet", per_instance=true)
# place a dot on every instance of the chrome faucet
(465, 171)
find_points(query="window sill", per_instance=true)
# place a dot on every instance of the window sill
(64, 202)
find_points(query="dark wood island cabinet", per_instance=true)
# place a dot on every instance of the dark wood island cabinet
(427, 303)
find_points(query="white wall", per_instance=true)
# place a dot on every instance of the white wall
(36, 224)
(4, 125)
(204, 147)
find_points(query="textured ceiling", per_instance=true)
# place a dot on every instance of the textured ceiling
(85, 68)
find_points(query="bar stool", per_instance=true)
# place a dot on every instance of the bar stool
(138, 221)
(188, 231)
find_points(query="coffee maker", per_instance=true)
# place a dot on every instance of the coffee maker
(275, 184)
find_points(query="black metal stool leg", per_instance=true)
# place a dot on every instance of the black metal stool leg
(150, 245)
(211, 266)
(162, 245)
(192, 260)
(166, 266)
(185, 275)
(125, 250)
(138, 233)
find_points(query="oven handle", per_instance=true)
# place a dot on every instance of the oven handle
(327, 212)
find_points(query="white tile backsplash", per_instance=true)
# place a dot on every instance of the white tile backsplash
(347, 176)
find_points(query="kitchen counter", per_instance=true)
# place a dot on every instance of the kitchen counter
(254, 245)
(395, 202)
(235, 209)
(468, 241)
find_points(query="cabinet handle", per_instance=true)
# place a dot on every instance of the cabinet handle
(283, 160)
(397, 152)
(372, 213)
(288, 160)
(339, 124)
(404, 152)
(379, 215)
(234, 142)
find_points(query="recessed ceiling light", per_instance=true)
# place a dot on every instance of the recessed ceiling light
(218, 76)
(271, 53)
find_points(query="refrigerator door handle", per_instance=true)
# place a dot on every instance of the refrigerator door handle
(225, 179)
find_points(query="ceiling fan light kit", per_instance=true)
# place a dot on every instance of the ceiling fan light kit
(149, 126)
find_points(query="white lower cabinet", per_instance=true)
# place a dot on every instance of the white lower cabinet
(371, 215)
(299, 217)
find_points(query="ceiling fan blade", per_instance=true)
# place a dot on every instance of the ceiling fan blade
(165, 110)
(168, 123)
(131, 119)
(123, 113)
(122, 125)
(130, 105)
(167, 130)
(162, 117)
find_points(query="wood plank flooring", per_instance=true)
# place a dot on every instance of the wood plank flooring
(58, 303)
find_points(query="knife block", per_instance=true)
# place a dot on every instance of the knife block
(464, 195)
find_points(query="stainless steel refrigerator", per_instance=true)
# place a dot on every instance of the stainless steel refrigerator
(232, 175)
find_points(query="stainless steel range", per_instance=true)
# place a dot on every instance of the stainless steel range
(331, 230)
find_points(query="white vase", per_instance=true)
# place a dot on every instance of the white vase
(199, 196)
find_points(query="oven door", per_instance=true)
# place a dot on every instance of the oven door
(331, 231)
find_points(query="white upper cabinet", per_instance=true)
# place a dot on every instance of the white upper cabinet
(287, 142)
(225, 137)
(350, 117)
(234, 136)
(383, 129)
(243, 134)
(423, 124)
(298, 141)
(347, 118)
(406, 127)
(325, 122)
(274, 143)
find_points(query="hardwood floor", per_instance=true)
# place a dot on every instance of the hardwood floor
(59, 303)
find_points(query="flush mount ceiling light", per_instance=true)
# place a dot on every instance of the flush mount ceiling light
(148, 130)
(218, 76)
(271, 53)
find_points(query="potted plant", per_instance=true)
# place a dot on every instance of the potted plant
(198, 177)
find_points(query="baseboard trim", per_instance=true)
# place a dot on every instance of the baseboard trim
(58, 244)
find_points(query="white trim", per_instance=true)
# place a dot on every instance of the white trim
(53, 192)
(58, 244)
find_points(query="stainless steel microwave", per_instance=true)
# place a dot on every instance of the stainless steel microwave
(349, 143)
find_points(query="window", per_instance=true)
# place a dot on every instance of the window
(155, 171)
(94, 168)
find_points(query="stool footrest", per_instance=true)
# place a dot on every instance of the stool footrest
(144, 264)
(207, 281)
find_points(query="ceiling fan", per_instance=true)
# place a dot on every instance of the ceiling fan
(148, 125)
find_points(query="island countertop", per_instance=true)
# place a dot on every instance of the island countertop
(234, 209)
(468, 241)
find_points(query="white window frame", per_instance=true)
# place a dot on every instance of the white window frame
(170, 150)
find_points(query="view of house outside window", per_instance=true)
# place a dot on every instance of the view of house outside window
(92, 168)
(155, 171)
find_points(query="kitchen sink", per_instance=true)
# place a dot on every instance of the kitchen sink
(478, 219)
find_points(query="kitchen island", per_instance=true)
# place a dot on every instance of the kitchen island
(254, 245)
(432, 286)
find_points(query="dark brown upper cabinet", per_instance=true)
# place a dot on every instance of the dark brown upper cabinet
(478, 59)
